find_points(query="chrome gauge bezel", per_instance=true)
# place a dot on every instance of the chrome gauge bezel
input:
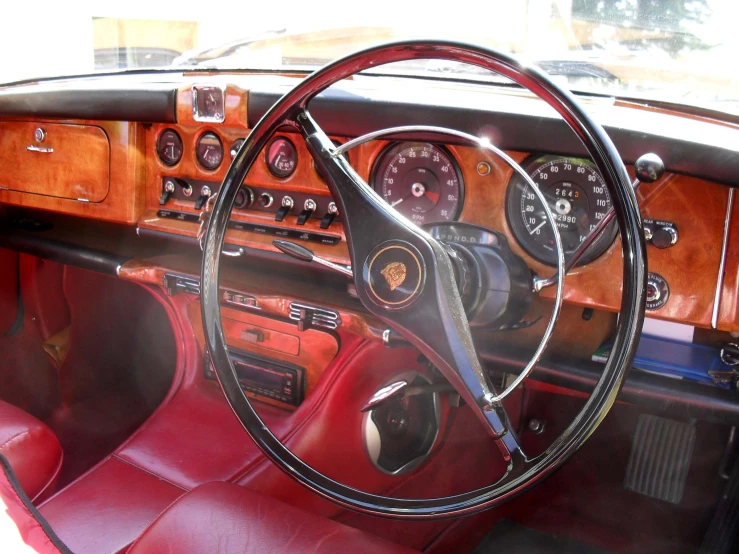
(518, 228)
(379, 159)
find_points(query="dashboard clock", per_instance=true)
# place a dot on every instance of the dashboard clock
(208, 104)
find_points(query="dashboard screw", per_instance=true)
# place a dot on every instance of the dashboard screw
(536, 426)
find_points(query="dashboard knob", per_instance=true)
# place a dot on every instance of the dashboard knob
(664, 237)
(244, 198)
(649, 168)
(266, 200)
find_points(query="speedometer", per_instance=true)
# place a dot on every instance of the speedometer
(578, 199)
(420, 180)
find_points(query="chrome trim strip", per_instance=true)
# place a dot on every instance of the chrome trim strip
(722, 264)
(40, 149)
(319, 317)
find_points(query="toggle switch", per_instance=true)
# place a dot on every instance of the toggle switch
(287, 205)
(205, 193)
(328, 219)
(308, 208)
(170, 185)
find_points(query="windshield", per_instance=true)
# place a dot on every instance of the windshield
(678, 51)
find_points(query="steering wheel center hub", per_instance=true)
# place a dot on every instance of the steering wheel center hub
(394, 274)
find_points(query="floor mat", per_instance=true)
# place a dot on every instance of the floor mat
(27, 376)
(92, 429)
(585, 500)
(511, 538)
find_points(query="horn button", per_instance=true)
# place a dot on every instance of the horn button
(394, 274)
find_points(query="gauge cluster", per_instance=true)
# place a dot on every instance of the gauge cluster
(424, 181)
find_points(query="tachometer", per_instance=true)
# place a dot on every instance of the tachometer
(420, 180)
(578, 198)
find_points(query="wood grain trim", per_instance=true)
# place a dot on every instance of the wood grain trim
(123, 202)
(316, 348)
(687, 201)
(272, 302)
(69, 161)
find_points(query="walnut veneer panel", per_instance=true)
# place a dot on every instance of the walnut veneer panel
(95, 171)
(71, 161)
(690, 267)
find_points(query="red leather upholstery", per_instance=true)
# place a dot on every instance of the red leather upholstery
(20, 530)
(227, 519)
(31, 448)
(106, 509)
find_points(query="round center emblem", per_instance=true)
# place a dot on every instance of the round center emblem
(394, 274)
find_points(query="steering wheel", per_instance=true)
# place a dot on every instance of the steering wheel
(425, 305)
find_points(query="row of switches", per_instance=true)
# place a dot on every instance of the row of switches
(308, 208)
(245, 198)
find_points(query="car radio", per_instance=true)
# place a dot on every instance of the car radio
(265, 377)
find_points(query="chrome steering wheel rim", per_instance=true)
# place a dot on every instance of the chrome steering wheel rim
(292, 110)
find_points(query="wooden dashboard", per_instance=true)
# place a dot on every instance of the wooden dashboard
(136, 176)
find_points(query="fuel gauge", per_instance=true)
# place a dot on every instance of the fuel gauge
(282, 157)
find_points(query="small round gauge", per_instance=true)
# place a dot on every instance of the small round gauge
(578, 199)
(169, 147)
(420, 180)
(282, 157)
(209, 150)
(235, 147)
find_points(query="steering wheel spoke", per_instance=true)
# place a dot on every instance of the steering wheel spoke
(406, 278)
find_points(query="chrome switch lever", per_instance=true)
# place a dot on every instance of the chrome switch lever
(301, 253)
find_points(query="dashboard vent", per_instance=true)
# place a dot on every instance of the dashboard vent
(311, 316)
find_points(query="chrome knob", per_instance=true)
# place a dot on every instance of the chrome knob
(664, 237)
(266, 200)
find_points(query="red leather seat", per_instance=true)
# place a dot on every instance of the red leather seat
(31, 448)
(22, 529)
(218, 517)
(228, 519)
